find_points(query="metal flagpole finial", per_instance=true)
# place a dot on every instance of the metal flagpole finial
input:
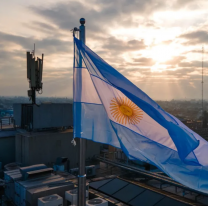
(82, 21)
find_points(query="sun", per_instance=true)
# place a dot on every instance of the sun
(125, 111)
(162, 53)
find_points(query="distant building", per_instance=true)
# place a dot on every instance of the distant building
(6, 112)
(194, 125)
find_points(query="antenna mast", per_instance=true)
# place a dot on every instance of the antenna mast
(202, 78)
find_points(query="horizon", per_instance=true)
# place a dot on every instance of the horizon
(71, 98)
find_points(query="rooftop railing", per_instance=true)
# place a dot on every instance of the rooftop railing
(6, 122)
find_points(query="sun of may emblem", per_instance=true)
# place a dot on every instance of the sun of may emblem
(125, 111)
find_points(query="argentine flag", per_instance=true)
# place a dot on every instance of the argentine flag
(109, 109)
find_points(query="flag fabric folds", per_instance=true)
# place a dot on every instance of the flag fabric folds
(109, 109)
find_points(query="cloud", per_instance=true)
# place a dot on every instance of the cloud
(67, 14)
(193, 64)
(195, 37)
(143, 61)
(190, 4)
(47, 45)
(197, 51)
(150, 23)
(113, 44)
(100, 14)
(175, 60)
(42, 27)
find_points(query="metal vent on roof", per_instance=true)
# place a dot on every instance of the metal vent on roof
(95, 201)
(75, 191)
(50, 198)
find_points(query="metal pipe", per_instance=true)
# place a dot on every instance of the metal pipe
(82, 175)
(33, 96)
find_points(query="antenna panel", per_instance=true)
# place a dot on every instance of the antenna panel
(40, 73)
(33, 73)
(29, 58)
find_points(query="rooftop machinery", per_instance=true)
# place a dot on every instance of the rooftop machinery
(34, 74)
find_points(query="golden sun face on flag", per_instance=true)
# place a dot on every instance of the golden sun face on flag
(125, 111)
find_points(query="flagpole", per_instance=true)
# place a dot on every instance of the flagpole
(82, 175)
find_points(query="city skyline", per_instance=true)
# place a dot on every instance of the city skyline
(156, 44)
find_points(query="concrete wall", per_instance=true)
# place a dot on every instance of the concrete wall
(47, 115)
(7, 149)
(45, 147)
(52, 115)
(17, 113)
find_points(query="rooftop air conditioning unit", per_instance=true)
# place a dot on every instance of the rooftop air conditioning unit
(90, 170)
(97, 202)
(59, 165)
(74, 171)
(58, 168)
(72, 195)
(51, 200)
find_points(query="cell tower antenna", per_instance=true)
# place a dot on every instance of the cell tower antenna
(34, 74)
(202, 78)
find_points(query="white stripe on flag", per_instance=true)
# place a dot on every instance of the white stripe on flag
(85, 90)
(114, 101)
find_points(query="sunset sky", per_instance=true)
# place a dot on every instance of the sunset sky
(156, 44)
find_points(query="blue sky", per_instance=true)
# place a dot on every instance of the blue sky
(154, 43)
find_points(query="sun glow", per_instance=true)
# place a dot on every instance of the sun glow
(162, 53)
(125, 111)
(158, 67)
